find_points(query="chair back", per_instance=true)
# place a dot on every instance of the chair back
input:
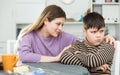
(115, 68)
(11, 46)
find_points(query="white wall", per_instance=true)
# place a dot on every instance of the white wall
(73, 10)
(14, 12)
(7, 21)
(26, 11)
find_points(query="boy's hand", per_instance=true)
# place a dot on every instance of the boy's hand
(104, 67)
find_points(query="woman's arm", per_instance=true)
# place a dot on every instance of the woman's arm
(27, 54)
(55, 58)
(49, 59)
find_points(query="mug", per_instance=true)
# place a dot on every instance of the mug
(9, 61)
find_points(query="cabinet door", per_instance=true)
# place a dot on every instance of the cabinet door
(111, 13)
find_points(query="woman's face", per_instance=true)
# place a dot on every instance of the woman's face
(54, 27)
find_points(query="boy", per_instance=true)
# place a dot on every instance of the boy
(92, 53)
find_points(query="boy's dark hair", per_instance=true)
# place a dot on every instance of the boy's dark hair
(93, 20)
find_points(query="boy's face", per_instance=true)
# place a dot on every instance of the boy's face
(94, 36)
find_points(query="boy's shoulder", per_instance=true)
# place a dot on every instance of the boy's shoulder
(78, 43)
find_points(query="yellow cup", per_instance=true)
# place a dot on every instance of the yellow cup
(9, 61)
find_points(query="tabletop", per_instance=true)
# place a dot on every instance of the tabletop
(58, 69)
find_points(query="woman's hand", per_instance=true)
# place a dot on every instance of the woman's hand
(53, 59)
(111, 40)
(58, 56)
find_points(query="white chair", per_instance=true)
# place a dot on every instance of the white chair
(115, 68)
(11, 46)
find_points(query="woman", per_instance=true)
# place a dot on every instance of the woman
(44, 40)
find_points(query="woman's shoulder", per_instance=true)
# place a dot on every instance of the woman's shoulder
(79, 43)
(29, 35)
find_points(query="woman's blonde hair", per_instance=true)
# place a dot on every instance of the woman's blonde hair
(50, 12)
